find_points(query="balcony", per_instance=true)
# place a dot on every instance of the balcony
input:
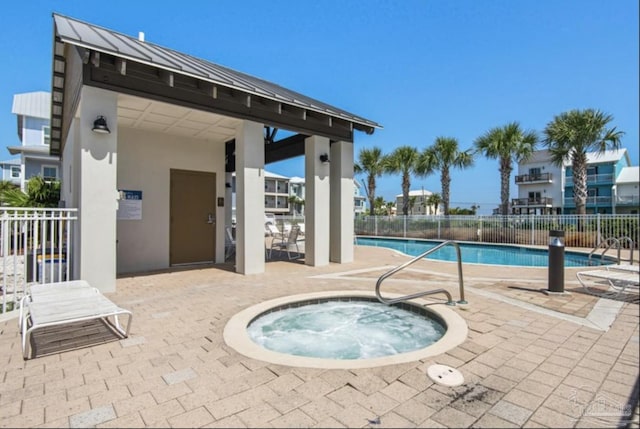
(591, 201)
(627, 200)
(592, 179)
(533, 178)
(532, 202)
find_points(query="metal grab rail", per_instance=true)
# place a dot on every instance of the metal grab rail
(611, 241)
(431, 292)
(632, 246)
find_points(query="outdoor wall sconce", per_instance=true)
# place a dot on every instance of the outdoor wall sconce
(324, 158)
(100, 126)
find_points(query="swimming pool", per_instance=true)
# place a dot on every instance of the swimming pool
(486, 254)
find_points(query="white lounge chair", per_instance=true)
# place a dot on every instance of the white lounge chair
(617, 279)
(42, 292)
(64, 303)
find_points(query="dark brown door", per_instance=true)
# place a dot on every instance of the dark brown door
(193, 217)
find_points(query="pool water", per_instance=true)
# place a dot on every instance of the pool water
(485, 254)
(345, 330)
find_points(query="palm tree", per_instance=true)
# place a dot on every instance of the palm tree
(40, 193)
(443, 155)
(412, 203)
(405, 161)
(434, 201)
(370, 162)
(570, 135)
(379, 206)
(507, 144)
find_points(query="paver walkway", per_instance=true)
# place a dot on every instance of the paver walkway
(530, 359)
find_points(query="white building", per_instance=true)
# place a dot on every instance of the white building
(33, 112)
(419, 203)
(159, 132)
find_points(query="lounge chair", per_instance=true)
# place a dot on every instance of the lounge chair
(63, 303)
(617, 278)
(43, 292)
(287, 242)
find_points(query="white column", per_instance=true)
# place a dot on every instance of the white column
(250, 198)
(316, 207)
(341, 216)
(97, 193)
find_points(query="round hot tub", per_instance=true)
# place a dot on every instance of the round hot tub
(343, 329)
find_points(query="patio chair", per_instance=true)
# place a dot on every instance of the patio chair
(287, 242)
(617, 278)
(64, 303)
(229, 243)
(274, 231)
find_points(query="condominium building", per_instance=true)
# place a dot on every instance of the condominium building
(546, 188)
(33, 114)
(286, 195)
(419, 203)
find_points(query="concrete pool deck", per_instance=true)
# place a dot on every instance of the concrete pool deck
(530, 359)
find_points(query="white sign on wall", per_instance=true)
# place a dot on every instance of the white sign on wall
(129, 205)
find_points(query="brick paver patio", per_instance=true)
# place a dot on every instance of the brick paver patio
(530, 359)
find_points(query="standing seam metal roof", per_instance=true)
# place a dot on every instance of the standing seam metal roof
(100, 39)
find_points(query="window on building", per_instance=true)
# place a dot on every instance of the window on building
(46, 135)
(535, 173)
(534, 197)
(15, 172)
(49, 173)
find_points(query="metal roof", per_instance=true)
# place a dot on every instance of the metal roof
(100, 39)
(33, 104)
(629, 175)
(608, 156)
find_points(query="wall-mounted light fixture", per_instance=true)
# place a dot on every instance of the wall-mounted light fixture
(324, 158)
(100, 126)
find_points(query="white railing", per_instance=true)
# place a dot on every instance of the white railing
(580, 231)
(35, 247)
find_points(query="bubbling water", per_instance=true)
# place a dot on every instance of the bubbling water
(345, 330)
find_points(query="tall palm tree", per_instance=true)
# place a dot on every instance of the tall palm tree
(507, 144)
(371, 163)
(444, 155)
(434, 201)
(570, 135)
(404, 160)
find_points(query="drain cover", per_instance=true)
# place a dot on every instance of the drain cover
(445, 375)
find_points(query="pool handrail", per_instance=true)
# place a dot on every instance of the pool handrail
(610, 241)
(393, 271)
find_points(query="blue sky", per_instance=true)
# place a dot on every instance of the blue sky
(420, 68)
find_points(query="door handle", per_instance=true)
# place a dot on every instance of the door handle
(211, 218)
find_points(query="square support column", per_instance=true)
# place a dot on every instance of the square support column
(341, 216)
(97, 193)
(250, 198)
(316, 202)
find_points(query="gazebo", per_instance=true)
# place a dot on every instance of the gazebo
(149, 137)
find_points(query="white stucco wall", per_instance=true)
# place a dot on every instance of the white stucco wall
(555, 190)
(144, 163)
